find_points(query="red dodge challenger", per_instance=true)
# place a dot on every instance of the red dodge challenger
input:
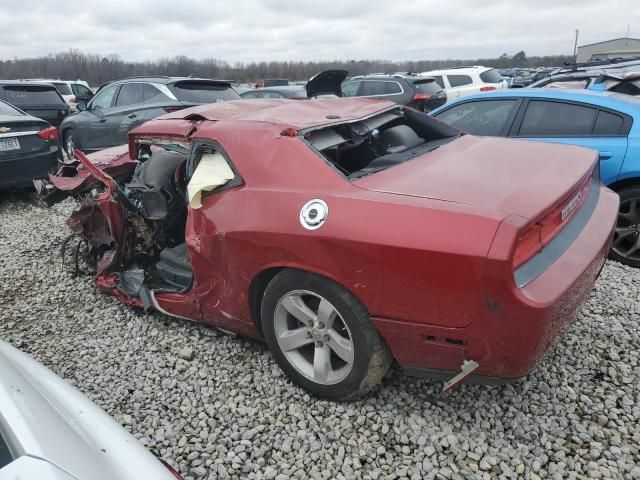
(348, 233)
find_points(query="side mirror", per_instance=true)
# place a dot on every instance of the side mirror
(81, 106)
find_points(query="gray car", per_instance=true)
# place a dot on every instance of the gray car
(122, 105)
(50, 431)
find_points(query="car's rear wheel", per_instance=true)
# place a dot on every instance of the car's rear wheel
(626, 239)
(322, 336)
(69, 143)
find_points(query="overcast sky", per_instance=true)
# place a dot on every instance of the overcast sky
(246, 30)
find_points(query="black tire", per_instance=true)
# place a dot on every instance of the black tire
(371, 356)
(68, 134)
(626, 241)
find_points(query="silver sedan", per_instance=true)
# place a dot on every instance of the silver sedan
(50, 431)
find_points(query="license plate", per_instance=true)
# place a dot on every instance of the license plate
(10, 143)
(571, 205)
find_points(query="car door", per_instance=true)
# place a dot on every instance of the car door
(459, 86)
(90, 126)
(558, 121)
(127, 113)
(491, 117)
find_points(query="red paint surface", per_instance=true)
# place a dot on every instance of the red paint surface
(426, 246)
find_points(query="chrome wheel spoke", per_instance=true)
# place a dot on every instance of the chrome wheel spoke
(296, 307)
(294, 339)
(342, 347)
(322, 363)
(326, 314)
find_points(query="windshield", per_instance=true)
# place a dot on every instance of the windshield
(63, 88)
(26, 95)
(364, 147)
(202, 92)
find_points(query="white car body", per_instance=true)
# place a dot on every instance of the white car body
(53, 432)
(461, 81)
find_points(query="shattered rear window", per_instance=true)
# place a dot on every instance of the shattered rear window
(364, 147)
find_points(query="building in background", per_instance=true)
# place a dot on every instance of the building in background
(615, 48)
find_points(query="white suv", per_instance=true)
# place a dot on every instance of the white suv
(461, 81)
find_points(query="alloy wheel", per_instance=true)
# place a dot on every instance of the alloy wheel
(313, 337)
(70, 145)
(626, 239)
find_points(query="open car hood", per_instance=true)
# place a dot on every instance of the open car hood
(328, 82)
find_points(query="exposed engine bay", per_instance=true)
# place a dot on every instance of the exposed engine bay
(361, 148)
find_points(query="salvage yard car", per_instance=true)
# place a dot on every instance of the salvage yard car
(347, 233)
(422, 93)
(606, 122)
(41, 100)
(124, 104)
(28, 147)
(50, 431)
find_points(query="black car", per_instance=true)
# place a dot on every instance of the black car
(423, 93)
(41, 100)
(122, 105)
(28, 147)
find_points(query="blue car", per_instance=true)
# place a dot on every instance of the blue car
(603, 121)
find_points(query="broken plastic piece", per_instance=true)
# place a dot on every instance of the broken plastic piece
(211, 172)
(467, 367)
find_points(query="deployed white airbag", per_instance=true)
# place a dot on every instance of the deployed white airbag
(212, 171)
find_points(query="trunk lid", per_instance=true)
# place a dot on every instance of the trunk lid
(511, 176)
(328, 82)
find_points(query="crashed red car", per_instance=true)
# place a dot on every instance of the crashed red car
(347, 233)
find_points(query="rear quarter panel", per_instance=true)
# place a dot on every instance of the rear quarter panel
(405, 258)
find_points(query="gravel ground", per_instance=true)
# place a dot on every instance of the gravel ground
(217, 406)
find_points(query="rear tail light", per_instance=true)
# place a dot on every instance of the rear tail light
(487, 89)
(50, 133)
(62, 113)
(528, 245)
(541, 233)
(173, 109)
(422, 96)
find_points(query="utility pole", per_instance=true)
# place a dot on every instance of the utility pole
(575, 48)
(628, 29)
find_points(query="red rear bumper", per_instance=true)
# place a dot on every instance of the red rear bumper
(517, 325)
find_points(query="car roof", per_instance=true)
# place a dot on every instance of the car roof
(26, 83)
(297, 114)
(162, 80)
(279, 88)
(462, 70)
(613, 100)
